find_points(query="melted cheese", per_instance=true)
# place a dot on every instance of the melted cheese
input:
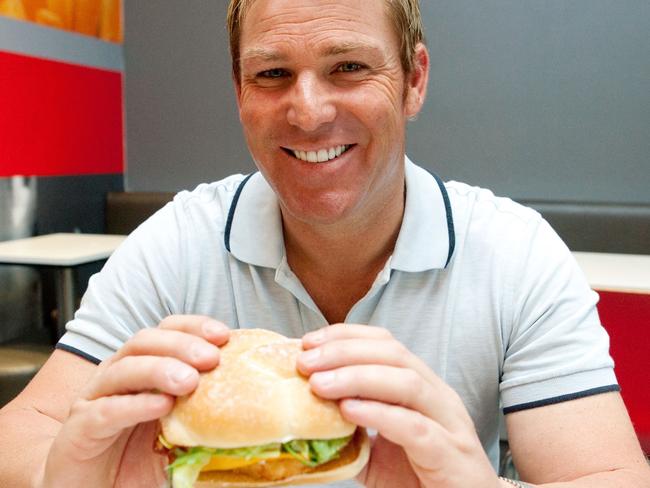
(224, 463)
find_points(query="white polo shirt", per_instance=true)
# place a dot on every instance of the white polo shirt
(479, 287)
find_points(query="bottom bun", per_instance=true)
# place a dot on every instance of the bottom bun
(349, 464)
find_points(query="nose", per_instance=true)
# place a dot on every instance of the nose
(311, 104)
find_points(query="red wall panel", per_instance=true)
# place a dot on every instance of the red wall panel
(626, 316)
(58, 118)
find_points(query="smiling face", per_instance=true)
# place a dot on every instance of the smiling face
(324, 102)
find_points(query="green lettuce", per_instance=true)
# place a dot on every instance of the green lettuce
(184, 471)
(316, 452)
(187, 466)
(326, 450)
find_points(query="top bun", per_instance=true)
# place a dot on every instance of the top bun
(254, 396)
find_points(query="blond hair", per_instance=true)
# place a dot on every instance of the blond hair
(404, 14)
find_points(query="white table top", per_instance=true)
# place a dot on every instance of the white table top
(59, 249)
(616, 272)
(605, 272)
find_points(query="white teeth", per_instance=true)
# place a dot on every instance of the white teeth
(320, 156)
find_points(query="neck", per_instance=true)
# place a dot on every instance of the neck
(334, 249)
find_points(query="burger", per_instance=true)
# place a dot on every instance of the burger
(253, 421)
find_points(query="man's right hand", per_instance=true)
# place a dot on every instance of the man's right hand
(108, 437)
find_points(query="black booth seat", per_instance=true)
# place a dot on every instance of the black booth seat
(598, 227)
(125, 210)
(584, 226)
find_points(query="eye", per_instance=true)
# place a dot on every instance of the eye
(272, 73)
(349, 67)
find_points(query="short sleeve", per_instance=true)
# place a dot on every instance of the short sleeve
(140, 284)
(556, 348)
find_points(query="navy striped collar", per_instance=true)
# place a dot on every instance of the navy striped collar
(427, 237)
(426, 240)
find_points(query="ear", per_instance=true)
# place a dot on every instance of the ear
(416, 81)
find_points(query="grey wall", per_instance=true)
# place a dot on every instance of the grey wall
(181, 119)
(547, 100)
(540, 99)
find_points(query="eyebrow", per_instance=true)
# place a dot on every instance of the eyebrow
(262, 54)
(346, 47)
(266, 54)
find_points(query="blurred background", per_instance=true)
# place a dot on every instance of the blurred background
(97, 18)
(546, 101)
(61, 138)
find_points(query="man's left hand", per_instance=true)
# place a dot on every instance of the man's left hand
(425, 434)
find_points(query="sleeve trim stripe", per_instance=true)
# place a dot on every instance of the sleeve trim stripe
(74, 350)
(561, 398)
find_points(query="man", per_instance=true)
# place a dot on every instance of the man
(338, 228)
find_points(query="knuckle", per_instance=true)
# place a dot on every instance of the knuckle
(127, 364)
(384, 333)
(426, 436)
(421, 430)
(78, 407)
(340, 353)
(93, 414)
(414, 385)
(167, 322)
(101, 413)
(465, 443)
(143, 335)
(399, 352)
(327, 353)
(415, 380)
(167, 363)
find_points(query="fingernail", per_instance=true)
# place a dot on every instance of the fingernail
(212, 328)
(181, 374)
(202, 350)
(324, 379)
(309, 358)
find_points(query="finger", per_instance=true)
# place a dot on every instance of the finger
(198, 325)
(343, 331)
(388, 384)
(184, 346)
(94, 423)
(345, 352)
(143, 373)
(383, 349)
(420, 436)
